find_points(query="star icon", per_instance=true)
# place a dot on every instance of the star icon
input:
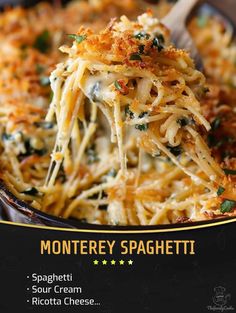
(130, 262)
(95, 262)
(104, 262)
(113, 262)
(121, 262)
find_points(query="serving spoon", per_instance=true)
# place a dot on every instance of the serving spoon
(176, 21)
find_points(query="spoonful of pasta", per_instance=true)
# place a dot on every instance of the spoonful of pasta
(148, 91)
(138, 80)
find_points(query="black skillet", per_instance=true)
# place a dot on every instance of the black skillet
(15, 210)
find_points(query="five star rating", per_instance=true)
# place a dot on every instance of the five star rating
(113, 262)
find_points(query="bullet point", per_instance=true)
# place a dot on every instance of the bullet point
(27, 288)
(27, 300)
(27, 276)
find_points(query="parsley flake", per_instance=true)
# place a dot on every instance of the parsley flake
(77, 38)
(141, 127)
(118, 85)
(135, 57)
(44, 81)
(216, 123)
(42, 42)
(142, 35)
(227, 206)
(220, 190)
(158, 42)
(229, 172)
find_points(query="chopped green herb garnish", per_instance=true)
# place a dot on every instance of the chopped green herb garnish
(135, 56)
(175, 150)
(206, 89)
(39, 68)
(32, 191)
(161, 38)
(202, 21)
(6, 136)
(141, 127)
(141, 115)
(121, 86)
(118, 85)
(211, 140)
(142, 35)
(92, 154)
(216, 123)
(44, 125)
(158, 42)
(227, 205)
(128, 112)
(141, 49)
(77, 38)
(44, 81)
(229, 172)
(112, 173)
(42, 42)
(220, 190)
(183, 121)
